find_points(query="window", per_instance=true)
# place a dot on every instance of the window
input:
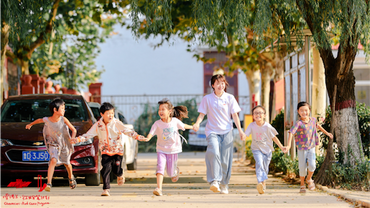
(30, 110)
(122, 118)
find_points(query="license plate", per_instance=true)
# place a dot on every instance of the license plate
(202, 136)
(35, 156)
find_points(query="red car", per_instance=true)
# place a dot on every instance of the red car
(23, 152)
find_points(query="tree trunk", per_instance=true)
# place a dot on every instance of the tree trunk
(324, 174)
(339, 71)
(24, 64)
(4, 43)
(267, 72)
(254, 79)
(3, 80)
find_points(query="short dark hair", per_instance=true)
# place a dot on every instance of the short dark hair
(220, 78)
(56, 103)
(106, 107)
(259, 106)
(300, 104)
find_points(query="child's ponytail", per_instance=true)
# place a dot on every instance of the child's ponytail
(180, 112)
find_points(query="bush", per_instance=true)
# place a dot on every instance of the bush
(349, 177)
(142, 126)
(281, 162)
(248, 152)
(278, 124)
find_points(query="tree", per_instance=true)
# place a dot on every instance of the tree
(348, 21)
(70, 28)
(32, 26)
(16, 19)
(78, 51)
(182, 20)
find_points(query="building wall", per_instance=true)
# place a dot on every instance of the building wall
(361, 70)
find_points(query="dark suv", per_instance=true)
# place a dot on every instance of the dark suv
(23, 152)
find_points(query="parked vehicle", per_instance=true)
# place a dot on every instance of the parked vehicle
(95, 108)
(130, 144)
(197, 140)
(23, 152)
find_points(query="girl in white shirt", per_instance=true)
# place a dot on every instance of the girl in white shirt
(262, 136)
(169, 143)
(219, 107)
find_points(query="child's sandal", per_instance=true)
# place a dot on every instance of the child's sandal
(72, 182)
(311, 185)
(48, 187)
(302, 190)
(176, 177)
(120, 180)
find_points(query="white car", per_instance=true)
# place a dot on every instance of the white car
(197, 140)
(130, 144)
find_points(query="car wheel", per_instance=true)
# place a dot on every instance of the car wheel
(94, 179)
(133, 165)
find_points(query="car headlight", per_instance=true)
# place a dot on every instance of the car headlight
(5, 142)
(89, 141)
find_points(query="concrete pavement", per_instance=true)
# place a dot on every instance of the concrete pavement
(192, 190)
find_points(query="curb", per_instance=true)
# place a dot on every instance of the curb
(356, 200)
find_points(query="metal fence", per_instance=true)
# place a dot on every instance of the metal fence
(132, 106)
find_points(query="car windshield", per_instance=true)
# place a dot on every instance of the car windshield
(30, 110)
(96, 112)
(122, 118)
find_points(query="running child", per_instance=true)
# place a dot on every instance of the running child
(262, 147)
(57, 140)
(306, 139)
(109, 131)
(168, 140)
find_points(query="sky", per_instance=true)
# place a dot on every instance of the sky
(134, 67)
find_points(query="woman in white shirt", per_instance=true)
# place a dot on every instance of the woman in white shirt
(219, 107)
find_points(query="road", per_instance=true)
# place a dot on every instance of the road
(191, 190)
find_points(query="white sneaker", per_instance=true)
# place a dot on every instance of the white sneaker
(157, 192)
(105, 192)
(215, 187)
(224, 189)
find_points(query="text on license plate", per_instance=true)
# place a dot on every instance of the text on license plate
(35, 156)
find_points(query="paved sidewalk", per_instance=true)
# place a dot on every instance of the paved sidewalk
(360, 198)
(192, 190)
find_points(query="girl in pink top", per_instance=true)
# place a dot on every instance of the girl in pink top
(168, 140)
(306, 138)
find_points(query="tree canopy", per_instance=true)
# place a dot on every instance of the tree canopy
(231, 25)
(75, 44)
(58, 31)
